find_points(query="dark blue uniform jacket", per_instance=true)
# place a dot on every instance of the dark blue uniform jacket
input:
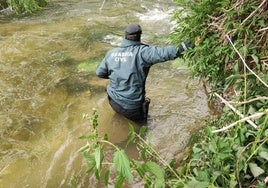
(127, 68)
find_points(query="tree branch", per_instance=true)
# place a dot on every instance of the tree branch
(249, 101)
(235, 110)
(245, 62)
(254, 116)
(254, 12)
(263, 29)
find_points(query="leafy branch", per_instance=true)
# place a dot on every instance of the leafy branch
(94, 153)
(245, 64)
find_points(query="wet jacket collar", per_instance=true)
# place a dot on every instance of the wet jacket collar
(126, 43)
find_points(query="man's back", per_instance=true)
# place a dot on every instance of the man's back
(127, 67)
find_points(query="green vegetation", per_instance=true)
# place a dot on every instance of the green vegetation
(23, 6)
(237, 158)
(231, 60)
(233, 159)
(94, 152)
(220, 24)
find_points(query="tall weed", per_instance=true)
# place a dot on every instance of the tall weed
(26, 6)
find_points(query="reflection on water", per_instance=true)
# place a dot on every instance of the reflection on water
(45, 89)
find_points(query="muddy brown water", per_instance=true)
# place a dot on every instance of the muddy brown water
(47, 80)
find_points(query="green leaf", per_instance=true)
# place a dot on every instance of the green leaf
(196, 184)
(131, 135)
(233, 180)
(244, 50)
(98, 157)
(255, 170)
(157, 171)
(92, 136)
(119, 181)
(212, 147)
(203, 175)
(131, 128)
(143, 153)
(91, 163)
(139, 169)
(196, 149)
(122, 164)
(255, 58)
(266, 132)
(262, 23)
(142, 130)
(106, 179)
(264, 155)
(251, 110)
(224, 156)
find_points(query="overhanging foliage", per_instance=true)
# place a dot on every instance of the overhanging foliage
(231, 59)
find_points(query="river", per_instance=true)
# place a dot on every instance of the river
(47, 80)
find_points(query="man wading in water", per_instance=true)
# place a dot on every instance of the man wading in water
(127, 67)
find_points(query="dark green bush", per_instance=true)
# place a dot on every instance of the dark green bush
(231, 58)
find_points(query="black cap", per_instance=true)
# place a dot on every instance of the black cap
(133, 29)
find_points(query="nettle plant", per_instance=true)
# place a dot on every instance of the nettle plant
(150, 170)
(237, 158)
